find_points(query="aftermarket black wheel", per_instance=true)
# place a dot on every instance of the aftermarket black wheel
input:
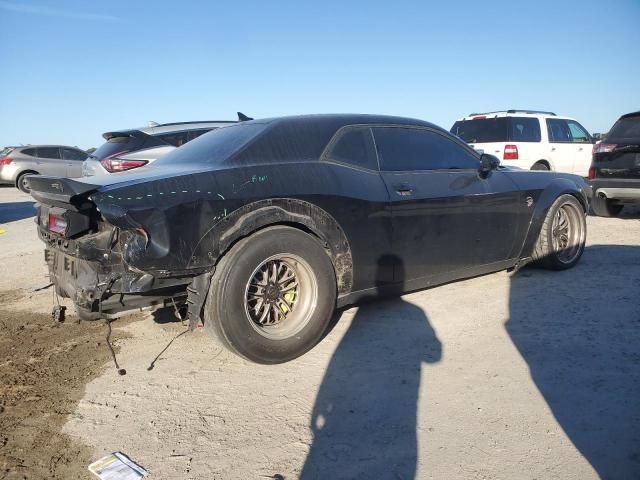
(272, 295)
(563, 235)
(603, 207)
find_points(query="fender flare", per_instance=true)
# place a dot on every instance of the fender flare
(244, 221)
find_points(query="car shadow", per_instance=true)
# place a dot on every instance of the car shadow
(13, 211)
(364, 418)
(579, 332)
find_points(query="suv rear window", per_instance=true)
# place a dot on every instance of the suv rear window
(483, 130)
(626, 128)
(122, 142)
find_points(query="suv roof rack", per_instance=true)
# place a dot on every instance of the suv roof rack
(514, 110)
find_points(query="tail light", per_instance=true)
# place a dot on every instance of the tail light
(603, 147)
(592, 173)
(57, 223)
(5, 161)
(113, 165)
(510, 152)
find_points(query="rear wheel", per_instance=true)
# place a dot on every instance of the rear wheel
(603, 207)
(563, 234)
(540, 166)
(272, 295)
(21, 182)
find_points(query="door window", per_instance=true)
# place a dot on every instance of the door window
(406, 149)
(355, 147)
(49, 152)
(525, 129)
(71, 154)
(578, 133)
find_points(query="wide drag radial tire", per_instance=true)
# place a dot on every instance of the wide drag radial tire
(563, 234)
(272, 295)
(603, 207)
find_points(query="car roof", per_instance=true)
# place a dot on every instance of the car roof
(21, 147)
(515, 113)
(347, 119)
(632, 114)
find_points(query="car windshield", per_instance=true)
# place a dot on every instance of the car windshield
(482, 130)
(626, 128)
(216, 146)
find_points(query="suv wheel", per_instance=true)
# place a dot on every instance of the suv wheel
(603, 207)
(21, 182)
(272, 295)
(540, 166)
(562, 236)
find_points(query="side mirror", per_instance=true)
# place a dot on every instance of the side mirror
(487, 164)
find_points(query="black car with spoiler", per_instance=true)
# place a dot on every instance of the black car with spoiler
(264, 227)
(615, 168)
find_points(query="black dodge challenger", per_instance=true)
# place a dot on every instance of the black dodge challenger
(264, 227)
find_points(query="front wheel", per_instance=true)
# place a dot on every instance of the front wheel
(272, 295)
(563, 235)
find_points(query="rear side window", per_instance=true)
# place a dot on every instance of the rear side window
(626, 128)
(407, 149)
(525, 129)
(354, 145)
(215, 147)
(71, 154)
(29, 151)
(48, 152)
(484, 130)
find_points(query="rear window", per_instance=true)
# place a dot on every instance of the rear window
(126, 142)
(216, 146)
(6, 151)
(626, 128)
(484, 130)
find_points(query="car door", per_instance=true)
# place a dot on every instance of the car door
(49, 162)
(583, 144)
(445, 217)
(562, 150)
(73, 159)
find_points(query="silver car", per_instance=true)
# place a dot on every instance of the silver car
(128, 149)
(57, 160)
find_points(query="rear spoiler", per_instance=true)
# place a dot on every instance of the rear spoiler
(60, 192)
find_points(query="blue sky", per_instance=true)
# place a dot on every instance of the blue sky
(74, 69)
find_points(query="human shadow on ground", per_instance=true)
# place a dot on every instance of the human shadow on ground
(364, 418)
(13, 211)
(579, 332)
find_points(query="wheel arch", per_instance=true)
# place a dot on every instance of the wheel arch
(294, 213)
(20, 174)
(560, 186)
(544, 162)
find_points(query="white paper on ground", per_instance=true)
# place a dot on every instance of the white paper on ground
(117, 466)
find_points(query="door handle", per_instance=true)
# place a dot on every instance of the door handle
(553, 149)
(404, 189)
(580, 149)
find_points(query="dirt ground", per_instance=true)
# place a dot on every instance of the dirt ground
(528, 376)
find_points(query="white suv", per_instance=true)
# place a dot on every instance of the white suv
(529, 139)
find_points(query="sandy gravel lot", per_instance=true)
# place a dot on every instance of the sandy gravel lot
(528, 376)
